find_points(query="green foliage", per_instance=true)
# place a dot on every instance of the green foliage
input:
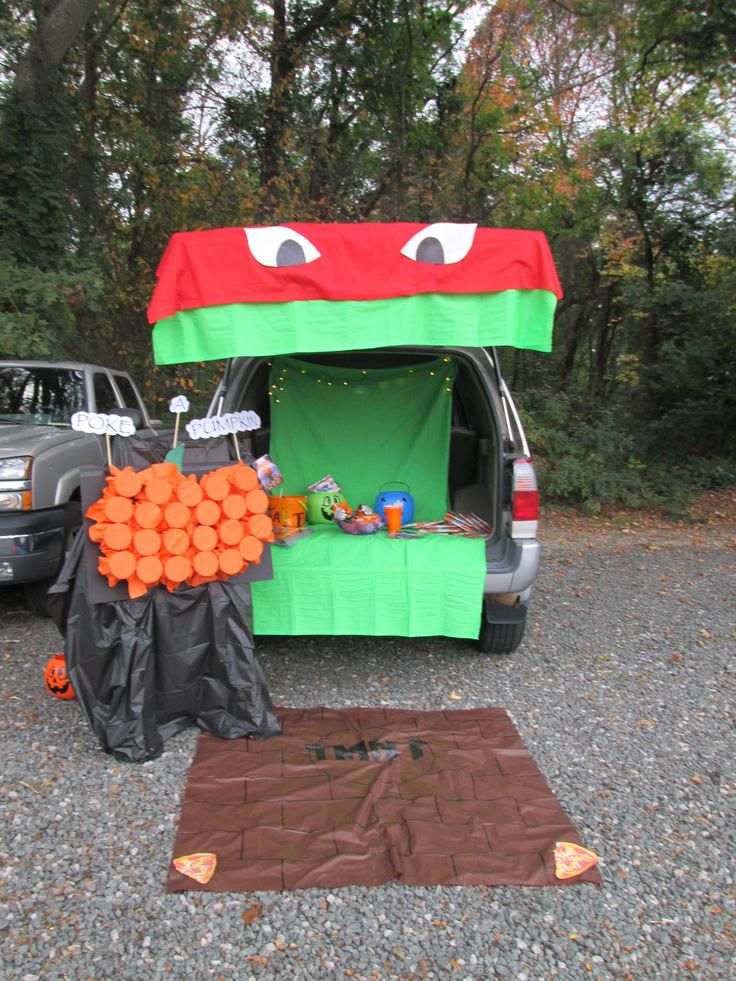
(39, 309)
(602, 124)
(584, 456)
(34, 207)
(596, 457)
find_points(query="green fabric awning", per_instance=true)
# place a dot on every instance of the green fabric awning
(522, 318)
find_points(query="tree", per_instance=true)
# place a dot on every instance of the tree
(58, 24)
(344, 122)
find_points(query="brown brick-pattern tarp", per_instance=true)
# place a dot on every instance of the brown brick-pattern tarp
(361, 796)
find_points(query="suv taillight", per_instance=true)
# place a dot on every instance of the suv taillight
(524, 500)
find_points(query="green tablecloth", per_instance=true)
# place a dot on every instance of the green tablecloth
(333, 583)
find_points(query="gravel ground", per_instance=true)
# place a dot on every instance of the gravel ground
(624, 693)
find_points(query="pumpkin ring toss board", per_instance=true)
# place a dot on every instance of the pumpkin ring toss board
(362, 796)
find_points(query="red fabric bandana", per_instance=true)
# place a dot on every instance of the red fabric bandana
(302, 261)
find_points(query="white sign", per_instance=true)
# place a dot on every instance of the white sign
(231, 422)
(101, 423)
(179, 404)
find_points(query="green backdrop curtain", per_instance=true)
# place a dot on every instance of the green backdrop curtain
(366, 427)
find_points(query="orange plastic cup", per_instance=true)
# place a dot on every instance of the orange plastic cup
(257, 501)
(178, 568)
(146, 542)
(122, 564)
(176, 541)
(244, 477)
(117, 537)
(231, 531)
(208, 512)
(393, 514)
(149, 569)
(206, 564)
(251, 548)
(148, 515)
(127, 482)
(204, 538)
(177, 515)
(118, 509)
(189, 492)
(234, 506)
(159, 490)
(215, 487)
(260, 525)
(231, 562)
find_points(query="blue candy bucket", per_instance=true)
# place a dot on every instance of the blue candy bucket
(402, 497)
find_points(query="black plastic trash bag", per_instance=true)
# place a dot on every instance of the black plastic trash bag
(144, 669)
(59, 595)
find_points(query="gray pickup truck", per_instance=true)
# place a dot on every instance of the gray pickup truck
(40, 460)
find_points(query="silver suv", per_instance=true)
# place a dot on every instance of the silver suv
(490, 472)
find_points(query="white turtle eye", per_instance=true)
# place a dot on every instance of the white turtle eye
(280, 246)
(440, 244)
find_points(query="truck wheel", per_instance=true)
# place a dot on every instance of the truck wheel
(500, 638)
(501, 627)
(36, 593)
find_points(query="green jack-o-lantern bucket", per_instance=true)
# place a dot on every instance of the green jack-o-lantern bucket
(320, 505)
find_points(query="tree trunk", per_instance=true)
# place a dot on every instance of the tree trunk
(58, 25)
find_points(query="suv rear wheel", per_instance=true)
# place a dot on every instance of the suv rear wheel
(501, 628)
(500, 638)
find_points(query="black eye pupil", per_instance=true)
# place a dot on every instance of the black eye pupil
(290, 253)
(430, 250)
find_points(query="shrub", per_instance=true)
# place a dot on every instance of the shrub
(593, 456)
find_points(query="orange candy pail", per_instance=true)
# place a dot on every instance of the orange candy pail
(288, 511)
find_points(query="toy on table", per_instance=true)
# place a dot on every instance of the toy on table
(269, 474)
(323, 496)
(362, 521)
(324, 485)
(468, 525)
(396, 497)
(287, 510)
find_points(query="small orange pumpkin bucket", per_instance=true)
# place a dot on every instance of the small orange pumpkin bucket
(56, 679)
(287, 511)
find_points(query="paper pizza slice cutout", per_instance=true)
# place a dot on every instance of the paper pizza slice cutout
(572, 859)
(199, 866)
